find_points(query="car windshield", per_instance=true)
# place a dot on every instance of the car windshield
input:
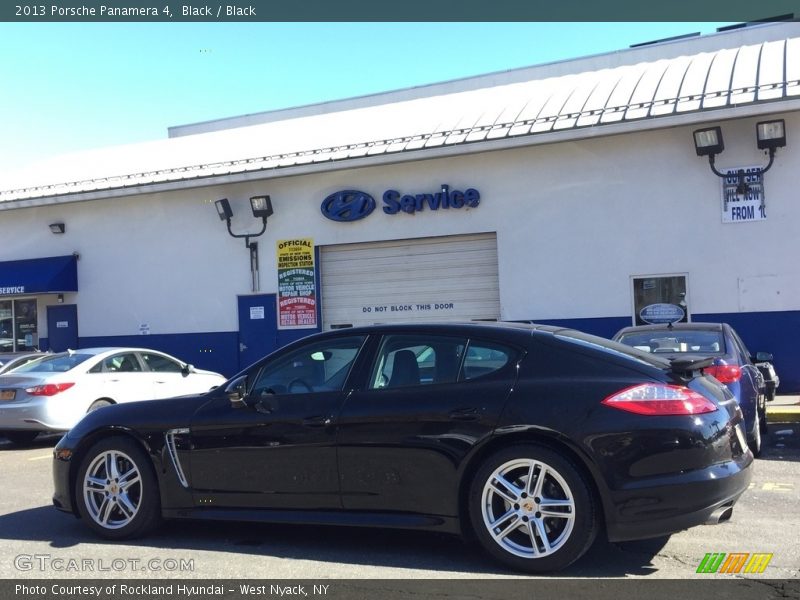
(56, 363)
(676, 341)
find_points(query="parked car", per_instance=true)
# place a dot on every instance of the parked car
(55, 391)
(12, 360)
(733, 363)
(532, 439)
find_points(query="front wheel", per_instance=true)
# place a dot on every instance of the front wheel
(116, 489)
(532, 509)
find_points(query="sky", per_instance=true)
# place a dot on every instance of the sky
(67, 87)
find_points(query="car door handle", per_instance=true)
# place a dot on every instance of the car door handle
(319, 421)
(465, 414)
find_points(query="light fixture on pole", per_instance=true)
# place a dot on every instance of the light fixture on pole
(262, 208)
(770, 135)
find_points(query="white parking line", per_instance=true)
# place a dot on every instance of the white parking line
(41, 457)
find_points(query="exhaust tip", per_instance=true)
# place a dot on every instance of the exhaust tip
(720, 515)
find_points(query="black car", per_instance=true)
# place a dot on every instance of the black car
(530, 439)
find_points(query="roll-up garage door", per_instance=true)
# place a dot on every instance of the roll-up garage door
(451, 278)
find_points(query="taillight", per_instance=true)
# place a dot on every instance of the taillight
(724, 373)
(658, 399)
(48, 389)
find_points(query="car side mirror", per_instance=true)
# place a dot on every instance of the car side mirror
(236, 391)
(764, 357)
(187, 369)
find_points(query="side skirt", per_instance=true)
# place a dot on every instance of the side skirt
(351, 519)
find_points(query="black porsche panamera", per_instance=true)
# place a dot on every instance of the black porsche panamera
(530, 439)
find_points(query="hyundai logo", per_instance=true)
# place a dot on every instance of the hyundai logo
(347, 205)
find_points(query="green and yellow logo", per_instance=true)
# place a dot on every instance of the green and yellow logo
(736, 562)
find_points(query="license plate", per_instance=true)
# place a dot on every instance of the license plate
(7, 394)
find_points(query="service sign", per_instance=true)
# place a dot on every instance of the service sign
(661, 313)
(743, 203)
(297, 289)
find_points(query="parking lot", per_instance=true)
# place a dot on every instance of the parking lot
(40, 542)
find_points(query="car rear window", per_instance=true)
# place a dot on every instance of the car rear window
(676, 341)
(58, 363)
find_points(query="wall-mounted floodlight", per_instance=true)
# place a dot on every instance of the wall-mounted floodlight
(770, 135)
(262, 209)
(57, 228)
(261, 206)
(224, 209)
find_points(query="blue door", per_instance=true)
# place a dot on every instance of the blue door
(258, 327)
(62, 327)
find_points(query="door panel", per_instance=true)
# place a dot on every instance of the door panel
(258, 329)
(62, 327)
(285, 458)
(403, 436)
(278, 448)
(401, 449)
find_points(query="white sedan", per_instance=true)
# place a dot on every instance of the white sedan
(55, 391)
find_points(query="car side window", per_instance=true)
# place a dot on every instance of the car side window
(159, 363)
(317, 367)
(409, 360)
(484, 358)
(121, 363)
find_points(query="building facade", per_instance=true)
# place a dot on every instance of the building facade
(568, 193)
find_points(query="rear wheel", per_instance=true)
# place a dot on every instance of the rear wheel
(116, 490)
(20, 438)
(532, 509)
(99, 404)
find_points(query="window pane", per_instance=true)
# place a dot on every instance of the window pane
(674, 341)
(122, 363)
(161, 364)
(318, 367)
(407, 360)
(659, 290)
(6, 327)
(484, 358)
(58, 363)
(25, 322)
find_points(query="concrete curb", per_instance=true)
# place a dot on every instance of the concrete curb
(783, 414)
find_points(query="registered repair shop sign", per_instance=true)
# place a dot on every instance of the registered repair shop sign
(743, 196)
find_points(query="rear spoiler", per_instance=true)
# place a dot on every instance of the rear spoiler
(689, 364)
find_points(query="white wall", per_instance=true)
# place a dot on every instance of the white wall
(574, 222)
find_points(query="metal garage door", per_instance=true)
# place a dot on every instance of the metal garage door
(451, 278)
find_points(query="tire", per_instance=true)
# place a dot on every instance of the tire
(20, 438)
(123, 506)
(754, 439)
(99, 404)
(506, 518)
(762, 421)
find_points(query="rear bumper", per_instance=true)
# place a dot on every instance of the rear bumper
(678, 502)
(32, 416)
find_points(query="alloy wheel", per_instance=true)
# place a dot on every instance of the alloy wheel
(528, 508)
(112, 489)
